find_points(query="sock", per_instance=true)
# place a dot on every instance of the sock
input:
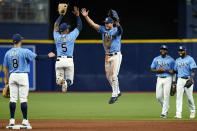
(68, 82)
(12, 109)
(24, 109)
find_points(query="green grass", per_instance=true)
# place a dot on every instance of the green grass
(94, 106)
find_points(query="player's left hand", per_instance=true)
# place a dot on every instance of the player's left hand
(76, 11)
(84, 12)
(51, 54)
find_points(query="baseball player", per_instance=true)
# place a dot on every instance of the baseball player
(17, 64)
(185, 66)
(163, 67)
(111, 37)
(64, 40)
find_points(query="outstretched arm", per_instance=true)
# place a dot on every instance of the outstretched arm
(79, 23)
(43, 57)
(84, 12)
(120, 30)
(57, 22)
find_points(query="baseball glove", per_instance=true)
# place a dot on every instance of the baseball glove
(188, 83)
(62, 8)
(6, 91)
(173, 89)
(114, 15)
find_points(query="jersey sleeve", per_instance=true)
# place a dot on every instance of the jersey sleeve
(192, 64)
(55, 34)
(172, 64)
(30, 55)
(5, 61)
(153, 65)
(101, 29)
(175, 66)
(74, 34)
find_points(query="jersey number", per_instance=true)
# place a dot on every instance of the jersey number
(64, 48)
(15, 63)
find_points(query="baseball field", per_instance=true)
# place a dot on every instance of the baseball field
(90, 111)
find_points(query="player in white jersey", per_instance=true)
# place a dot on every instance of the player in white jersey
(64, 40)
(17, 63)
(111, 37)
(185, 66)
(163, 67)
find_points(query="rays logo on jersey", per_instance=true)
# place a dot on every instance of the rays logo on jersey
(162, 64)
(107, 36)
(182, 64)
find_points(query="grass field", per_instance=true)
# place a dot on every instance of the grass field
(94, 106)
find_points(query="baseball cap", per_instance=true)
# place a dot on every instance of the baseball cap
(109, 20)
(64, 27)
(164, 47)
(16, 38)
(182, 48)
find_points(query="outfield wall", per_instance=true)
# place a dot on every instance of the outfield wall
(89, 56)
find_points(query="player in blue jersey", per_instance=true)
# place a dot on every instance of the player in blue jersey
(64, 40)
(111, 37)
(17, 64)
(185, 67)
(163, 66)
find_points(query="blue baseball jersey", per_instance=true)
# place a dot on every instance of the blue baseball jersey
(111, 36)
(184, 66)
(18, 60)
(65, 42)
(166, 63)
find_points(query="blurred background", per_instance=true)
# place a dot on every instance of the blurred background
(146, 24)
(150, 19)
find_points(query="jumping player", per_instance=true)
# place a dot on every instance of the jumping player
(163, 67)
(17, 63)
(111, 37)
(64, 40)
(185, 66)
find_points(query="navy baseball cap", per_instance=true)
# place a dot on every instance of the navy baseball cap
(64, 27)
(109, 20)
(16, 38)
(164, 47)
(182, 48)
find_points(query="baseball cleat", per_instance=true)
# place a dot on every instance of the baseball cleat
(25, 122)
(112, 100)
(192, 115)
(178, 117)
(12, 122)
(119, 94)
(163, 116)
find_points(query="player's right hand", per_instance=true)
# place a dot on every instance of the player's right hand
(84, 12)
(51, 54)
(161, 70)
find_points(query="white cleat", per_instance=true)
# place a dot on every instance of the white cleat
(192, 115)
(178, 116)
(25, 122)
(12, 122)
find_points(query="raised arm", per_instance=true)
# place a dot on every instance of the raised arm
(79, 23)
(120, 30)
(84, 12)
(57, 22)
